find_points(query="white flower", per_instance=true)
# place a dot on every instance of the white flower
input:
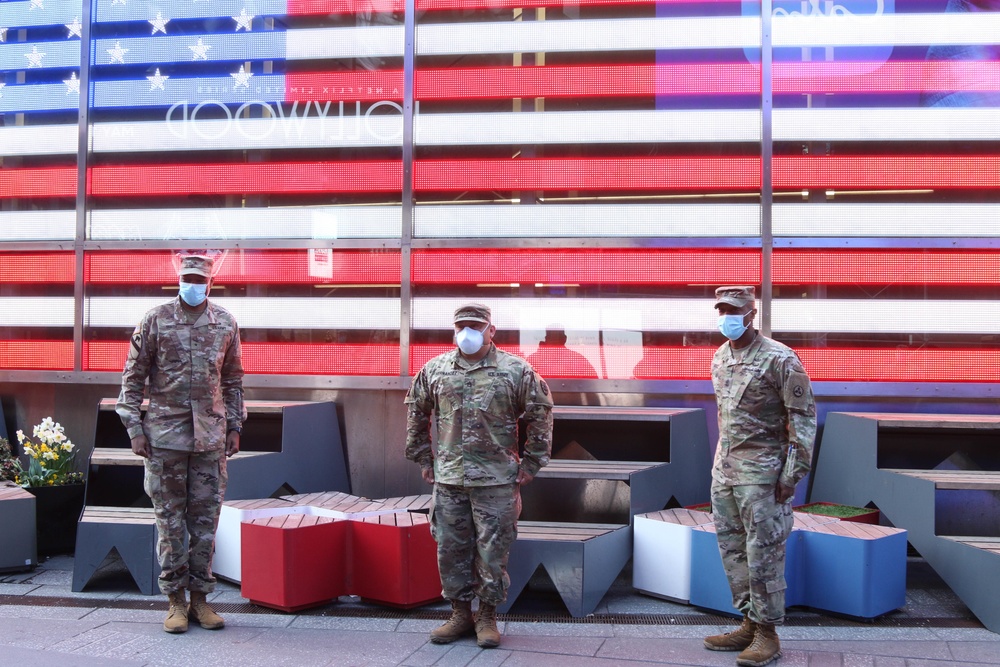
(20, 437)
(67, 446)
(29, 451)
(51, 456)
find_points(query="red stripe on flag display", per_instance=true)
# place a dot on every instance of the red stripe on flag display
(275, 177)
(276, 267)
(37, 268)
(885, 267)
(321, 7)
(40, 182)
(676, 173)
(585, 266)
(45, 355)
(882, 172)
(588, 81)
(275, 358)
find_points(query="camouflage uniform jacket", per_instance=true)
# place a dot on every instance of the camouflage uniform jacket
(476, 408)
(195, 376)
(767, 414)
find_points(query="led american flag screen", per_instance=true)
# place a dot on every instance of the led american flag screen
(592, 170)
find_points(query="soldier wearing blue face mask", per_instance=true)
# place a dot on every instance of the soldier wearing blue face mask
(189, 350)
(767, 424)
(476, 395)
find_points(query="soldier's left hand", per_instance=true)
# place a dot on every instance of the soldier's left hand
(524, 477)
(782, 493)
(232, 442)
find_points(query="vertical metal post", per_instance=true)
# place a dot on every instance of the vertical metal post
(406, 239)
(82, 160)
(766, 162)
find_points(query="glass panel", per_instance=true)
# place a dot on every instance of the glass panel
(310, 312)
(232, 121)
(628, 135)
(39, 106)
(887, 190)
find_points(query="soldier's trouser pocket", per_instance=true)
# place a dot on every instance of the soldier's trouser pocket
(771, 525)
(152, 477)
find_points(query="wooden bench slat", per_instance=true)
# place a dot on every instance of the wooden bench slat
(987, 480)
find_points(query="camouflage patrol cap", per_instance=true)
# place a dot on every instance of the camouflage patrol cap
(734, 296)
(473, 312)
(196, 265)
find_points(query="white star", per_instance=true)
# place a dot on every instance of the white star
(75, 28)
(242, 78)
(159, 23)
(72, 84)
(3, 34)
(243, 20)
(35, 57)
(36, 3)
(200, 50)
(117, 54)
(117, 2)
(156, 81)
(2, 86)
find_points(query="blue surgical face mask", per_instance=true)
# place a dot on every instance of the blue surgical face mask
(470, 340)
(732, 326)
(193, 294)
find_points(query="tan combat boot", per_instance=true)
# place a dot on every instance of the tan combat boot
(204, 615)
(487, 635)
(459, 625)
(177, 615)
(737, 640)
(764, 649)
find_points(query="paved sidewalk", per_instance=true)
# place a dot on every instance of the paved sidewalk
(43, 623)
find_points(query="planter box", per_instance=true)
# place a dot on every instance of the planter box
(842, 512)
(57, 509)
(700, 507)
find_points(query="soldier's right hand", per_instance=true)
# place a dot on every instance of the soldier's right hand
(428, 474)
(140, 446)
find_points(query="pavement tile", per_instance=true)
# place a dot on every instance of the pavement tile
(18, 655)
(666, 651)
(668, 631)
(902, 648)
(578, 645)
(359, 624)
(987, 652)
(52, 577)
(967, 635)
(39, 632)
(491, 658)
(16, 577)
(58, 613)
(459, 656)
(430, 653)
(17, 588)
(561, 629)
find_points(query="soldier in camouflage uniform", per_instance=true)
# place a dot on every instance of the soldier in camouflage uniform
(767, 424)
(477, 393)
(189, 349)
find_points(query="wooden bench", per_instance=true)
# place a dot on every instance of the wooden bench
(285, 445)
(302, 551)
(987, 544)
(17, 525)
(983, 480)
(582, 559)
(937, 476)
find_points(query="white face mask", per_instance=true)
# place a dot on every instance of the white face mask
(470, 340)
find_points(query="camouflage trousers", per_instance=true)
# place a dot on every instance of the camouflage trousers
(753, 529)
(187, 490)
(474, 527)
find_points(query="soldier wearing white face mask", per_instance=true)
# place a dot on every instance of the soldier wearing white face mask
(476, 394)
